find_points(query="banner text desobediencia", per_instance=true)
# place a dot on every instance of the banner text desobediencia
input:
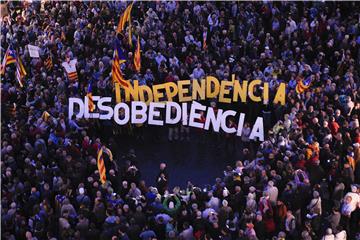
(139, 112)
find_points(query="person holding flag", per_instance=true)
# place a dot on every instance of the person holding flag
(11, 57)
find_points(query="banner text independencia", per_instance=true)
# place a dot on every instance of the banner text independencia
(157, 105)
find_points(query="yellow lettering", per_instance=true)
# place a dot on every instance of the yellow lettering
(212, 87)
(157, 94)
(280, 95)
(145, 89)
(198, 89)
(240, 90)
(224, 89)
(171, 90)
(117, 93)
(251, 90)
(133, 91)
(266, 93)
(184, 90)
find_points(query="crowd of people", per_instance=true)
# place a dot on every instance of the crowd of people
(300, 183)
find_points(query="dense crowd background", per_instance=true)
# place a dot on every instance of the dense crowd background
(301, 183)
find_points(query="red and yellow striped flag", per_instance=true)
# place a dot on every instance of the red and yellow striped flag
(303, 84)
(20, 71)
(124, 19)
(101, 166)
(137, 56)
(116, 73)
(90, 98)
(9, 58)
(48, 63)
(101, 163)
(204, 40)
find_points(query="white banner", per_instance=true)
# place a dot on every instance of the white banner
(33, 51)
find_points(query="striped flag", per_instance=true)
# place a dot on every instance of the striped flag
(101, 163)
(48, 63)
(204, 40)
(3, 64)
(137, 56)
(90, 98)
(124, 19)
(9, 58)
(70, 68)
(20, 71)
(303, 85)
(116, 73)
(73, 76)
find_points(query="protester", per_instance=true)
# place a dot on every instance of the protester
(300, 183)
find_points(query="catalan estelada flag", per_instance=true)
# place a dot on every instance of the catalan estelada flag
(124, 18)
(90, 98)
(101, 163)
(137, 56)
(48, 63)
(303, 84)
(20, 71)
(116, 73)
(9, 58)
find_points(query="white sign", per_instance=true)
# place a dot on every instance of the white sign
(138, 113)
(33, 51)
